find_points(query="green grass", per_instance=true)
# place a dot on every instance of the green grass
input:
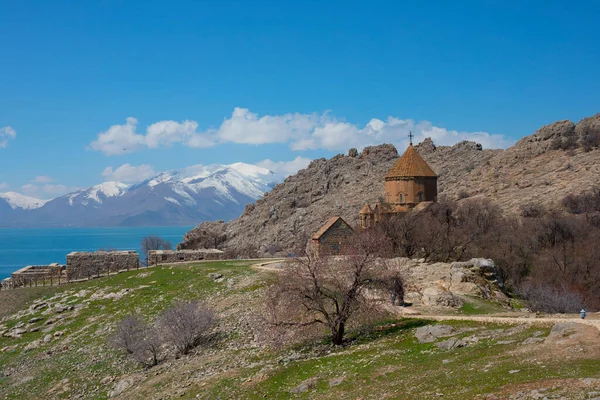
(392, 364)
(153, 290)
(383, 360)
(477, 306)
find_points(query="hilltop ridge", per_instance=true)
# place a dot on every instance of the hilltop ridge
(559, 159)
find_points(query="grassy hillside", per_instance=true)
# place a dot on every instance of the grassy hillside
(383, 361)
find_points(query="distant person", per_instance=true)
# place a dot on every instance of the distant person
(582, 313)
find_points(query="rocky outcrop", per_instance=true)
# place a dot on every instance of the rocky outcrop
(559, 159)
(443, 284)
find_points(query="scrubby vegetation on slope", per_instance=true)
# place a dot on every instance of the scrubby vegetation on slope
(381, 360)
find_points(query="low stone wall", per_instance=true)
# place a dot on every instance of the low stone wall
(84, 265)
(36, 274)
(156, 257)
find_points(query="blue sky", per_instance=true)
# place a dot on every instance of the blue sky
(87, 87)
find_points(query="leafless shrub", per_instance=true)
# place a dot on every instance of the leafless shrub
(183, 324)
(129, 334)
(149, 351)
(153, 243)
(532, 210)
(552, 299)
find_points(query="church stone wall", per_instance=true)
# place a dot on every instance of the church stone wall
(156, 257)
(410, 188)
(84, 265)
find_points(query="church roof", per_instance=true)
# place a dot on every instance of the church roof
(330, 222)
(411, 164)
(366, 209)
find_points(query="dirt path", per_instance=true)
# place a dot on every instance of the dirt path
(511, 320)
(271, 265)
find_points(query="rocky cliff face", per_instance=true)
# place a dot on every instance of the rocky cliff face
(557, 160)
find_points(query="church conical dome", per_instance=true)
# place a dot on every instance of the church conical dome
(410, 165)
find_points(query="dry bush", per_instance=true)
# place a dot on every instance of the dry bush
(318, 291)
(532, 210)
(402, 232)
(149, 351)
(552, 299)
(183, 324)
(129, 334)
(153, 243)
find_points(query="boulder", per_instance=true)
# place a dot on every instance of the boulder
(121, 387)
(436, 296)
(431, 333)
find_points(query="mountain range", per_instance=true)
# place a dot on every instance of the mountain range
(181, 197)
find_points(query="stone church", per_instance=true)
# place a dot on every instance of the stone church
(410, 185)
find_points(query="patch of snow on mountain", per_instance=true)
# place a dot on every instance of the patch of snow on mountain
(72, 196)
(260, 174)
(106, 189)
(180, 190)
(164, 177)
(17, 200)
(227, 179)
(172, 200)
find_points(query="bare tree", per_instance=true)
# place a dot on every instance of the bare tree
(183, 324)
(129, 334)
(149, 351)
(153, 243)
(327, 291)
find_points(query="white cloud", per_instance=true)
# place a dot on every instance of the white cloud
(127, 173)
(3, 186)
(119, 139)
(47, 191)
(58, 190)
(299, 131)
(43, 179)
(6, 133)
(248, 128)
(122, 139)
(283, 169)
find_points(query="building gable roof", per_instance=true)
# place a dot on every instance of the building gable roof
(411, 164)
(366, 209)
(328, 225)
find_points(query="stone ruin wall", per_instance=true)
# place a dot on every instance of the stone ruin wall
(84, 265)
(156, 257)
(34, 275)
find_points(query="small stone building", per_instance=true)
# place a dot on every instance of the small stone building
(330, 238)
(156, 257)
(84, 265)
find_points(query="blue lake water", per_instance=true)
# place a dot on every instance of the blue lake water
(21, 247)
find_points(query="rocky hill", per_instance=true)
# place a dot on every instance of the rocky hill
(559, 159)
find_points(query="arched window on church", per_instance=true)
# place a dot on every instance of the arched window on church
(420, 196)
(399, 197)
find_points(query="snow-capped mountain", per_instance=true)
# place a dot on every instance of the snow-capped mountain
(181, 197)
(16, 200)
